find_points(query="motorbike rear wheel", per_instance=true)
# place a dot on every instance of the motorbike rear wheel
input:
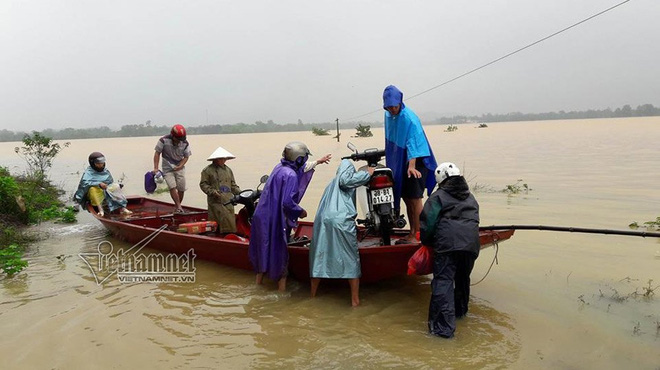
(385, 229)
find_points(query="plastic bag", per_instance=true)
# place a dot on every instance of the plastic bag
(421, 263)
(114, 192)
(150, 182)
(159, 178)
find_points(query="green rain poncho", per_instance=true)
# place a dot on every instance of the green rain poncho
(334, 249)
(218, 184)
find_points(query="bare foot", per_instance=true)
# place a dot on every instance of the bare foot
(355, 302)
(314, 286)
(281, 284)
(260, 278)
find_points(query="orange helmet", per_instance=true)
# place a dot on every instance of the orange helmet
(179, 132)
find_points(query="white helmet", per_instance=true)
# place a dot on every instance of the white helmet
(294, 150)
(221, 153)
(445, 170)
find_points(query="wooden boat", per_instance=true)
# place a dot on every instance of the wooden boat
(378, 262)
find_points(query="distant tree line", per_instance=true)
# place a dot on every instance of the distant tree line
(154, 130)
(645, 110)
(147, 129)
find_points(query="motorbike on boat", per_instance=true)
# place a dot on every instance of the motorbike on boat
(376, 198)
(249, 199)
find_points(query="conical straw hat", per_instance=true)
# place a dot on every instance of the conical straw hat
(221, 153)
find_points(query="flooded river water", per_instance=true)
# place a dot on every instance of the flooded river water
(553, 300)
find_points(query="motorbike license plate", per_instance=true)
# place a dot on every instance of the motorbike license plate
(381, 196)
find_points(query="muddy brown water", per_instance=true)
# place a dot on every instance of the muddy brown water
(553, 300)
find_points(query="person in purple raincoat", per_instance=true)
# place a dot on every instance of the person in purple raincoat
(277, 213)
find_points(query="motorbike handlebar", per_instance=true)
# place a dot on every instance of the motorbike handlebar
(238, 199)
(372, 156)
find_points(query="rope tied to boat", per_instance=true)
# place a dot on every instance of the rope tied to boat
(495, 238)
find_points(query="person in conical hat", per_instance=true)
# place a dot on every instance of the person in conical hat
(218, 183)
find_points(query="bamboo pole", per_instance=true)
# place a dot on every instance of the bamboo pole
(573, 230)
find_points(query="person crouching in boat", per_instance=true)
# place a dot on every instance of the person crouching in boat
(277, 213)
(98, 188)
(218, 183)
(333, 253)
(449, 223)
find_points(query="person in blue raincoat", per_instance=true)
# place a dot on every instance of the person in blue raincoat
(98, 188)
(277, 213)
(409, 156)
(333, 253)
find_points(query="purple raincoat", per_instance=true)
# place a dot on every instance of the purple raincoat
(276, 214)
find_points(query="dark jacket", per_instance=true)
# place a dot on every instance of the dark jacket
(450, 218)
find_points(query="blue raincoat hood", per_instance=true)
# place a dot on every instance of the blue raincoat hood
(392, 97)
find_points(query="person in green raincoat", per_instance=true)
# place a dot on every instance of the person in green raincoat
(333, 253)
(218, 183)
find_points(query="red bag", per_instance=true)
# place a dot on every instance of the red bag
(421, 263)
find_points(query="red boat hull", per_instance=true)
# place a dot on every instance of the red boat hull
(377, 262)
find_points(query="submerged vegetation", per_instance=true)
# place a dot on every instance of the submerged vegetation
(451, 128)
(517, 188)
(648, 225)
(363, 131)
(320, 131)
(28, 199)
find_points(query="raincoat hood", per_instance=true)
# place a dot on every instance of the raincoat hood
(392, 97)
(456, 186)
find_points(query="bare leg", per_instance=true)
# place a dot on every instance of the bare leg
(413, 209)
(315, 286)
(281, 284)
(260, 278)
(181, 197)
(355, 291)
(175, 197)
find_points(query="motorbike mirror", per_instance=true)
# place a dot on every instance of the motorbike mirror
(263, 179)
(352, 147)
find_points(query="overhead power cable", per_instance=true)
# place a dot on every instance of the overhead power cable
(502, 57)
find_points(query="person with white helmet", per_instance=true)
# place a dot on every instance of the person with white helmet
(449, 224)
(218, 183)
(175, 150)
(278, 212)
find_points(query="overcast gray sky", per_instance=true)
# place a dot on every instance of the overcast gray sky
(86, 63)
